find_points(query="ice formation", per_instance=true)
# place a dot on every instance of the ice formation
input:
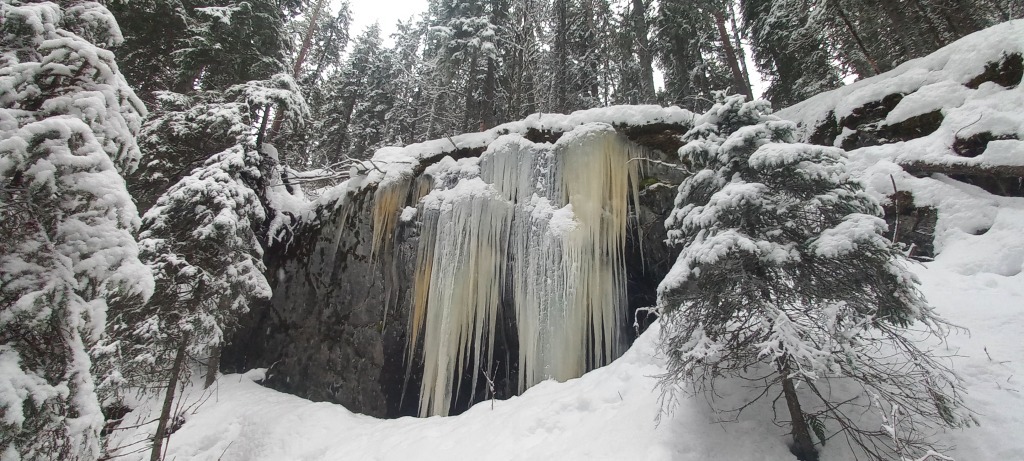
(541, 226)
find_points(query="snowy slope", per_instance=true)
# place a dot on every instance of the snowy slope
(609, 414)
(976, 282)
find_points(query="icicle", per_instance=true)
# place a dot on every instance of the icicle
(569, 287)
(598, 180)
(342, 213)
(460, 265)
(388, 201)
(556, 217)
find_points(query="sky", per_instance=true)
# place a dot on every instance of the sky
(387, 12)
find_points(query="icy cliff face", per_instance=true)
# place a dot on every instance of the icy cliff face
(435, 278)
(446, 271)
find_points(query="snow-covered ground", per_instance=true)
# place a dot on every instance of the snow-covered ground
(610, 413)
(975, 282)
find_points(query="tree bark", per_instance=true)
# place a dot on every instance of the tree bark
(212, 367)
(856, 38)
(643, 52)
(561, 57)
(471, 105)
(739, 44)
(803, 445)
(741, 84)
(165, 413)
(307, 38)
(994, 171)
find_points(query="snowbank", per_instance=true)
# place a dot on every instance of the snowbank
(609, 413)
(972, 90)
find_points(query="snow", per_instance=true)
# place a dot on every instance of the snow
(845, 237)
(975, 282)
(972, 222)
(957, 62)
(927, 99)
(609, 413)
(405, 159)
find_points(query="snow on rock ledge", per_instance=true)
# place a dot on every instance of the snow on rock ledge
(942, 132)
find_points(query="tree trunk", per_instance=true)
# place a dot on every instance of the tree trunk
(803, 445)
(741, 84)
(212, 366)
(643, 52)
(738, 43)
(856, 38)
(165, 412)
(471, 105)
(561, 57)
(314, 21)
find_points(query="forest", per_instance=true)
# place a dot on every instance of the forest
(175, 175)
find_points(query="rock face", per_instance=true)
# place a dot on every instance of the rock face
(332, 331)
(336, 327)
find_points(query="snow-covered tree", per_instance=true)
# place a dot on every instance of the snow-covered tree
(789, 51)
(204, 237)
(68, 122)
(785, 279)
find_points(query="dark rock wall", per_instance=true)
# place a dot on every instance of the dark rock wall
(335, 329)
(332, 331)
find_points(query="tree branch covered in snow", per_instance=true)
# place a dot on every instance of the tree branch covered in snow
(68, 123)
(785, 274)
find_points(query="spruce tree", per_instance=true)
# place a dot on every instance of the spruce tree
(789, 53)
(405, 120)
(375, 97)
(786, 279)
(690, 52)
(68, 122)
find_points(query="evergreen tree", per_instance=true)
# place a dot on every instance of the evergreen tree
(153, 31)
(579, 68)
(788, 52)
(222, 44)
(786, 279)
(203, 238)
(324, 58)
(357, 103)
(465, 45)
(68, 122)
(520, 74)
(635, 60)
(692, 51)
(405, 120)
(375, 96)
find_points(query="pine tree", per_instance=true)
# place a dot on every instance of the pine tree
(324, 57)
(204, 237)
(465, 36)
(223, 44)
(635, 58)
(153, 31)
(788, 52)
(375, 97)
(405, 120)
(579, 70)
(68, 122)
(692, 49)
(786, 279)
(520, 74)
(357, 102)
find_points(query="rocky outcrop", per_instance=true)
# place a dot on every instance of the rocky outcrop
(333, 330)
(336, 327)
